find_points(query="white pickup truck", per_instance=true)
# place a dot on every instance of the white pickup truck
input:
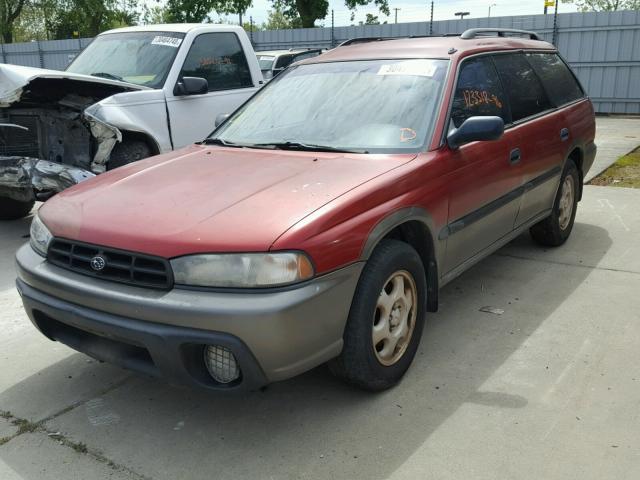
(132, 93)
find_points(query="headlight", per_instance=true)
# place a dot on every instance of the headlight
(40, 236)
(242, 269)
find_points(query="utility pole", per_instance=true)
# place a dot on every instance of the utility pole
(431, 20)
(396, 10)
(489, 14)
(333, 38)
(461, 15)
(555, 24)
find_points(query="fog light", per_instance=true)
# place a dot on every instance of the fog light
(221, 364)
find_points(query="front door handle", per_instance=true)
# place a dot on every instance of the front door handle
(514, 156)
(564, 134)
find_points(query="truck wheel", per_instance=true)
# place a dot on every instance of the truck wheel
(126, 152)
(386, 319)
(554, 230)
(11, 209)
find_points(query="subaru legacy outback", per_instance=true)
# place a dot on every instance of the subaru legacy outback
(291, 237)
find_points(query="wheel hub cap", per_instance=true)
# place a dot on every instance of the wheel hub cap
(394, 318)
(565, 206)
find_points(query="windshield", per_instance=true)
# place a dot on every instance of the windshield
(143, 58)
(378, 106)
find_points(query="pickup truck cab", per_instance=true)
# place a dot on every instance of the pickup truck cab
(294, 237)
(132, 93)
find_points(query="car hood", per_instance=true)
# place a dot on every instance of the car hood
(15, 79)
(207, 199)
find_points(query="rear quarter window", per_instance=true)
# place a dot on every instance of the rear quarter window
(559, 82)
(524, 90)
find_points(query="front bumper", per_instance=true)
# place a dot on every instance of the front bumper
(274, 333)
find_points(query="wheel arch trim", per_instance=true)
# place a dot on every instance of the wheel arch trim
(394, 220)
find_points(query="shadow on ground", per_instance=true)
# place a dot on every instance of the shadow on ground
(12, 235)
(314, 426)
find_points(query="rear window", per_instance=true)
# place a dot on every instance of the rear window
(524, 90)
(560, 83)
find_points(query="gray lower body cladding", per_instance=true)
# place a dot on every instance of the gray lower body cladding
(275, 334)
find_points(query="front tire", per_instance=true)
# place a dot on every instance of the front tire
(554, 230)
(126, 152)
(11, 209)
(386, 319)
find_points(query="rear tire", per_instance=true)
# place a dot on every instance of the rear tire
(386, 319)
(11, 209)
(554, 230)
(128, 151)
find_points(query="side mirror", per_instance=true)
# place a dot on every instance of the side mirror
(221, 118)
(474, 129)
(191, 86)
(277, 71)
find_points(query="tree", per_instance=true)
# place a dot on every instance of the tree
(188, 11)
(9, 12)
(154, 15)
(277, 20)
(197, 11)
(371, 19)
(311, 10)
(87, 18)
(605, 5)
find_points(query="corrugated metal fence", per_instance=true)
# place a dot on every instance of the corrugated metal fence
(603, 48)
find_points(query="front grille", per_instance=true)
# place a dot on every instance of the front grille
(18, 142)
(118, 266)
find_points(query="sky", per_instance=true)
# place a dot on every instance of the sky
(410, 10)
(419, 10)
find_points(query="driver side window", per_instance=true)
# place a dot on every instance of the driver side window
(478, 92)
(218, 58)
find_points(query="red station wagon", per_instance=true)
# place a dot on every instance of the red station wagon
(318, 222)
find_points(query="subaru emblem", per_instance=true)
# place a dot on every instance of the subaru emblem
(98, 263)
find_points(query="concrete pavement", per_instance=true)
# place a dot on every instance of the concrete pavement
(615, 136)
(548, 389)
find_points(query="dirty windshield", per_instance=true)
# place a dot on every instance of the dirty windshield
(143, 58)
(377, 106)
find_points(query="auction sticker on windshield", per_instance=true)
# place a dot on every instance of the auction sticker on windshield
(166, 41)
(420, 68)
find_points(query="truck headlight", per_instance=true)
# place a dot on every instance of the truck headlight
(242, 270)
(39, 236)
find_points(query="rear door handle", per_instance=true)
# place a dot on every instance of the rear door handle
(514, 156)
(564, 134)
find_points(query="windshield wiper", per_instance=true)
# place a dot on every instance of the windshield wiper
(219, 141)
(307, 147)
(110, 76)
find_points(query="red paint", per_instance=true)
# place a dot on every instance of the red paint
(216, 199)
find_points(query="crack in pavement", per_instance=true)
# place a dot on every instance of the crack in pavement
(567, 264)
(27, 426)
(76, 404)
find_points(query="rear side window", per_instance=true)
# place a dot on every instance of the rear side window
(219, 58)
(556, 77)
(524, 90)
(478, 92)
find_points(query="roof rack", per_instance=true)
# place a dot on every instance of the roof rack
(500, 32)
(353, 41)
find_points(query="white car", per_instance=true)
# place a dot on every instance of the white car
(275, 61)
(132, 93)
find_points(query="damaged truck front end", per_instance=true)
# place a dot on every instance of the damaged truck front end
(51, 136)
